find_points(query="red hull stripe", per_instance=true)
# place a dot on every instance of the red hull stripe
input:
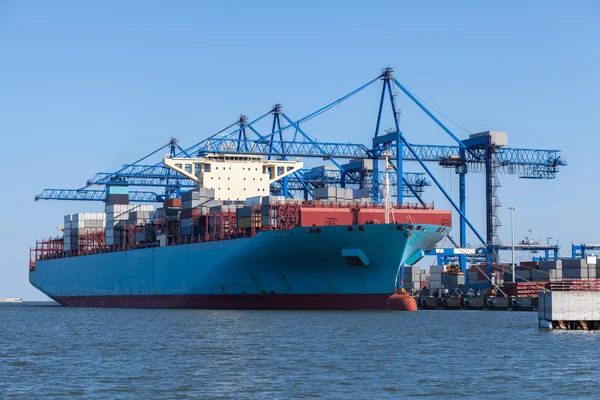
(248, 302)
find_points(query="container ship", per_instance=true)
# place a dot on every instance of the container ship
(229, 244)
(11, 299)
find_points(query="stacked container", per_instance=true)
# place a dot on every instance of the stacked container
(77, 226)
(435, 277)
(195, 202)
(147, 233)
(246, 219)
(254, 201)
(361, 194)
(452, 281)
(333, 194)
(476, 275)
(554, 269)
(412, 278)
(119, 216)
(268, 214)
(569, 269)
(424, 275)
(578, 269)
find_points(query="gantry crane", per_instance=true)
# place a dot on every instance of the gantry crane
(288, 138)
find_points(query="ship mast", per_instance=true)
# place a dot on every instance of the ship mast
(386, 154)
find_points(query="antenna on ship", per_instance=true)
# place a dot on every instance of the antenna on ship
(388, 199)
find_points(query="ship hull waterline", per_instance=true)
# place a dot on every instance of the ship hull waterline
(235, 302)
(329, 268)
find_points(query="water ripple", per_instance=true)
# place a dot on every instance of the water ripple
(56, 352)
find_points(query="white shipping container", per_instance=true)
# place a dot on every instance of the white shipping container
(348, 194)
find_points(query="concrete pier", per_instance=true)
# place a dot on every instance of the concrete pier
(477, 303)
(569, 310)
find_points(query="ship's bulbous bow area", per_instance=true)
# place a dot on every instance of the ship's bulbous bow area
(401, 302)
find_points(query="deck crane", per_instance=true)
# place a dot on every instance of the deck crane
(288, 138)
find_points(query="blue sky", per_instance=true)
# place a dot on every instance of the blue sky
(88, 86)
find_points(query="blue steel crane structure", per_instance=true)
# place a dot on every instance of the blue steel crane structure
(475, 155)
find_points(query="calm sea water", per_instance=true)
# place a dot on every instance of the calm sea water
(49, 351)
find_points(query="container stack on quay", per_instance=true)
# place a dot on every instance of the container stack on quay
(434, 281)
(476, 275)
(532, 271)
(415, 279)
(79, 227)
(424, 276)
(545, 271)
(452, 281)
(579, 269)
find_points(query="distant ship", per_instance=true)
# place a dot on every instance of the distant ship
(11, 299)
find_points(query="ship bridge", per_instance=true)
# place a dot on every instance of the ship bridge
(233, 176)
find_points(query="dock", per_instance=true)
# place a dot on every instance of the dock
(493, 303)
(569, 310)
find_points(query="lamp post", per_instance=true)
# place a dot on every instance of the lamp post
(512, 240)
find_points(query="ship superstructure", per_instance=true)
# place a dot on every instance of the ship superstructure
(233, 176)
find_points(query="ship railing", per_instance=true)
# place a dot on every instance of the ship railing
(225, 228)
(575, 285)
(357, 204)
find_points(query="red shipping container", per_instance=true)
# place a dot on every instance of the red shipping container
(433, 217)
(326, 216)
(348, 216)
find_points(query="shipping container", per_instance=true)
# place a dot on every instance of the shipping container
(360, 193)
(190, 195)
(326, 192)
(557, 264)
(244, 212)
(415, 217)
(253, 201)
(248, 222)
(172, 202)
(540, 275)
(574, 264)
(326, 217)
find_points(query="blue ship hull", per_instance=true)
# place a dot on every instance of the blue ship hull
(330, 267)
